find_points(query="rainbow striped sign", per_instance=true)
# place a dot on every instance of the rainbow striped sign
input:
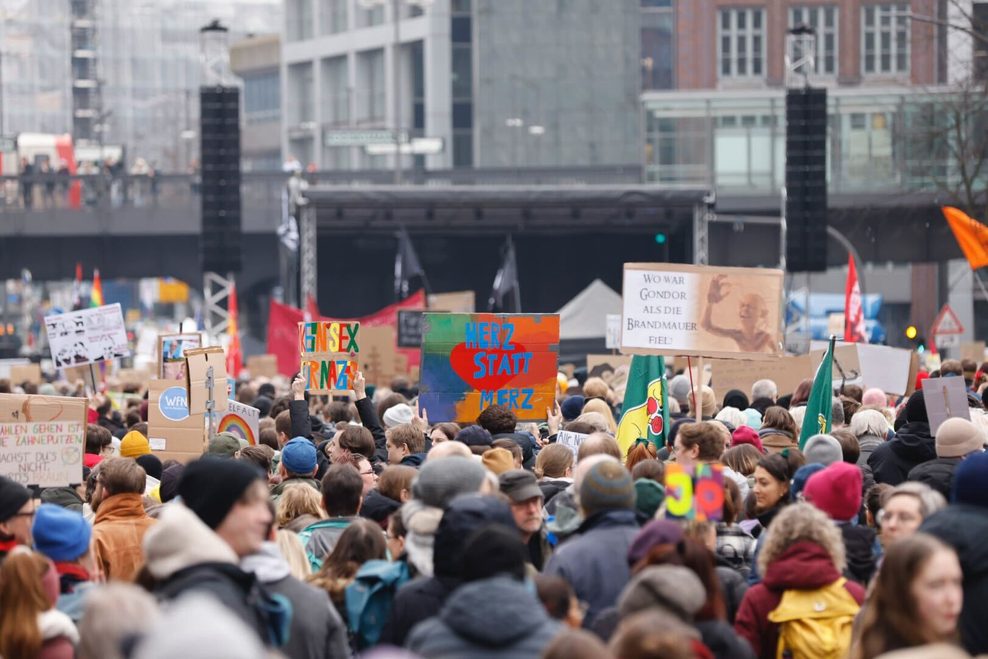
(242, 421)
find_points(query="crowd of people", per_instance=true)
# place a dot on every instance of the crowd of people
(355, 527)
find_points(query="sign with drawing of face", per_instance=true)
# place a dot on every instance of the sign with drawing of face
(87, 336)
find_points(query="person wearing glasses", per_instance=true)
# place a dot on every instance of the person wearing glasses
(16, 516)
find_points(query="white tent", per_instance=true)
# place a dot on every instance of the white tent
(585, 316)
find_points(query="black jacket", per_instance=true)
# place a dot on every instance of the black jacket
(859, 547)
(306, 425)
(723, 642)
(891, 462)
(414, 602)
(965, 527)
(368, 418)
(525, 441)
(551, 488)
(938, 474)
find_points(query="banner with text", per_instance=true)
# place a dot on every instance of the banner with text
(42, 439)
(473, 361)
(674, 309)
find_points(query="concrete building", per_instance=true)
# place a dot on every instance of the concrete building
(500, 83)
(257, 62)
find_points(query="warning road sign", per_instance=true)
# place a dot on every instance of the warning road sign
(946, 323)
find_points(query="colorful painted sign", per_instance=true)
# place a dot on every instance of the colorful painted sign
(241, 420)
(328, 336)
(473, 361)
(329, 351)
(326, 374)
(696, 495)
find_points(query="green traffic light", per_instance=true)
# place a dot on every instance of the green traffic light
(660, 238)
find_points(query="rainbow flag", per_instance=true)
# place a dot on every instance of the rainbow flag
(96, 294)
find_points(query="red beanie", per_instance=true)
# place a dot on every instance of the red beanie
(747, 435)
(836, 491)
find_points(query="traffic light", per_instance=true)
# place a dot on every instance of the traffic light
(912, 332)
(918, 341)
(661, 238)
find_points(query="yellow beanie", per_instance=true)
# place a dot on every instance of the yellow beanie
(134, 445)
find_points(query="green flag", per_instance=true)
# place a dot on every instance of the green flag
(645, 414)
(819, 407)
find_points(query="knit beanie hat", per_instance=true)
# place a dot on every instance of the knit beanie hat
(679, 388)
(169, 482)
(572, 407)
(397, 415)
(970, 484)
(649, 495)
(13, 496)
(607, 486)
(747, 435)
(801, 476)
(134, 444)
(657, 532)
(824, 449)
(754, 418)
(494, 550)
(671, 588)
(916, 408)
(957, 437)
(59, 533)
(299, 456)
(474, 436)
(223, 445)
(151, 464)
(836, 491)
(210, 487)
(438, 481)
(708, 402)
(498, 460)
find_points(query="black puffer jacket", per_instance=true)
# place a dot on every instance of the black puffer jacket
(912, 446)
(859, 547)
(938, 474)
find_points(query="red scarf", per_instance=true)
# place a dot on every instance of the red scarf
(7, 546)
(71, 570)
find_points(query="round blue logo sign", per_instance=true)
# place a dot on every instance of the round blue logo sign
(174, 404)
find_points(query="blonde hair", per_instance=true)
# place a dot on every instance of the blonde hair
(294, 553)
(801, 521)
(602, 408)
(596, 388)
(296, 500)
(553, 461)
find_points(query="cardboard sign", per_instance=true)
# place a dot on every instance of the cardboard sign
(973, 350)
(87, 336)
(25, 373)
(696, 495)
(328, 337)
(171, 354)
(328, 373)
(571, 440)
(945, 398)
(473, 361)
(172, 431)
(198, 363)
(329, 351)
(459, 302)
(42, 439)
(612, 333)
(410, 329)
(265, 366)
(673, 309)
(137, 376)
(876, 366)
(787, 373)
(379, 359)
(241, 420)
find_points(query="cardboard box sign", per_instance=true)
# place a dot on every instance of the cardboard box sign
(327, 336)
(326, 374)
(263, 365)
(197, 365)
(42, 439)
(20, 373)
(697, 494)
(171, 429)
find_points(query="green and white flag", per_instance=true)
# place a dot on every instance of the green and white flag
(818, 419)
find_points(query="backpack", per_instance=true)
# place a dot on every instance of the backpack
(305, 535)
(369, 598)
(815, 623)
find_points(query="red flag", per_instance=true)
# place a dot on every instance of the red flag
(854, 325)
(971, 235)
(234, 357)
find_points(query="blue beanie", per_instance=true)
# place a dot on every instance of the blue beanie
(572, 407)
(59, 533)
(299, 456)
(971, 481)
(801, 476)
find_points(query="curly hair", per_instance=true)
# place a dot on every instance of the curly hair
(497, 420)
(801, 521)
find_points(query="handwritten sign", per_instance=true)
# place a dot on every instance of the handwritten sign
(696, 495)
(473, 361)
(87, 336)
(329, 352)
(241, 420)
(42, 439)
(328, 337)
(945, 398)
(571, 440)
(674, 309)
(325, 374)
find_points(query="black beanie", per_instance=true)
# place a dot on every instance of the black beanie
(210, 487)
(494, 550)
(916, 408)
(169, 482)
(151, 464)
(13, 496)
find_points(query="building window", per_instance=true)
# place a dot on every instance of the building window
(741, 43)
(262, 96)
(885, 38)
(333, 15)
(657, 55)
(823, 20)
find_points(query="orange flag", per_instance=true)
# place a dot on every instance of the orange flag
(234, 356)
(971, 235)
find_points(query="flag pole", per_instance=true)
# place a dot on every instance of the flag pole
(698, 400)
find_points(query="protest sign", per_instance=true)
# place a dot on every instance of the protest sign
(242, 421)
(599, 366)
(696, 494)
(612, 333)
(673, 309)
(329, 351)
(171, 354)
(87, 336)
(172, 431)
(25, 373)
(265, 366)
(870, 365)
(42, 439)
(945, 398)
(460, 302)
(328, 373)
(410, 328)
(973, 350)
(133, 376)
(473, 361)
(198, 362)
(379, 357)
(571, 440)
(786, 372)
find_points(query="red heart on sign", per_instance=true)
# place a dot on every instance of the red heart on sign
(462, 361)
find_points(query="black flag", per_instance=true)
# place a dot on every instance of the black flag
(407, 265)
(505, 282)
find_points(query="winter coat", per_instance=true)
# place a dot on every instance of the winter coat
(563, 514)
(316, 628)
(965, 527)
(413, 460)
(859, 547)
(368, 418)
(378, 508)
(735, 548)
(66, 497)
(804, 565)
(775, 440)
(595, 560)
(867, 445)
(552, 486)
(301, 523)
(938, 474)
(733, 586)
(320, 538)
(496, 617)
(913, 445)
(118, 532)
(279, 489)
(723, 641)
(415, 602)
(310, 427)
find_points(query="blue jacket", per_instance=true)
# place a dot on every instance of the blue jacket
(595, 559)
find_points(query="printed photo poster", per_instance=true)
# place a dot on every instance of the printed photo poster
(674, 309)
(87, 336)
(42, 439)
(241, 420)
(329, 353)
(473, 361)
(171, 354)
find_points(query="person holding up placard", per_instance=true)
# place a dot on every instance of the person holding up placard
(751, 336)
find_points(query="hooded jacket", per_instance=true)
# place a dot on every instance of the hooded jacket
(316, 629)
(496, 617)
(859, 548)
(66, 497)
(552, 486)
(938, 474)
(965, 527)
(118, 531)
(891, 462)
(320, 538)
(804, 565)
